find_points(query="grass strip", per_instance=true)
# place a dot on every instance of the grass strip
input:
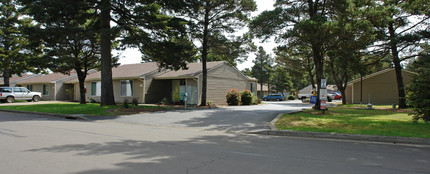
(76, 108)
(383, 121)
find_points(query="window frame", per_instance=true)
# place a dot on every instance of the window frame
(130, 83)
(30, 87)
(97, 91)
(45, 88)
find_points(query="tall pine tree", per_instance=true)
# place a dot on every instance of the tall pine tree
(17, 51)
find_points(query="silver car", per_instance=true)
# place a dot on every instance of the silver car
(10, 94)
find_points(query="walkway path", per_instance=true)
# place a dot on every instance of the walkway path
(232, 118)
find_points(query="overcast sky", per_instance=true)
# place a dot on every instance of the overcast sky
(131, 56)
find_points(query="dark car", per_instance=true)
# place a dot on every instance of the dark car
(276, 96)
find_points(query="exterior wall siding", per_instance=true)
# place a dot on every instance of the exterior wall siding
(222, 79)
(137, 91)
(379, 90)
(39, 88)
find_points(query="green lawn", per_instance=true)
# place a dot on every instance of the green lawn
(382, 121)
(87, 109)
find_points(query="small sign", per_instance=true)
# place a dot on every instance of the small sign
(323, 105)
(313, 99)
(183, 96)
(323, 94)
(323, 83)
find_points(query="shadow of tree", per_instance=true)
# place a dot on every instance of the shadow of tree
(245, 154)
(240, 118)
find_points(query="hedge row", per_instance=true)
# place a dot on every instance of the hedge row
(235, 97)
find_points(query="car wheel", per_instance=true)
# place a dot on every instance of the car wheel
(9, 99)
(278, 99)
(340, 98)
(36, 98)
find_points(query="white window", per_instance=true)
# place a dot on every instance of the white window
(30, 87)
(253, 86)
(126, 88)
(96, 88)
(45, 89)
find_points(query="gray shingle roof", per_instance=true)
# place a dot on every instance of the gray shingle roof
(47, 78)
(194, 69)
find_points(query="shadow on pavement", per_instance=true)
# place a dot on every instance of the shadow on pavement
(240, 154)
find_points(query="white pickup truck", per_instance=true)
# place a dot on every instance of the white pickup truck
(303, 97)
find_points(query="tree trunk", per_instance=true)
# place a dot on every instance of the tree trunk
(6, 77)
(318, 61)
(311, 76)
(107, 96)
(397, 67)
(261, 90)
(205, 55)
(81, 77)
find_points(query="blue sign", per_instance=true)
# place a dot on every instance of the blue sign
(313, 99)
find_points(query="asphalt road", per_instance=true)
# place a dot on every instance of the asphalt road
(37, 144)
(232, 118)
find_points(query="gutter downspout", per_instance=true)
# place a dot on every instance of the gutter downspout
(55, 90)
(144, 90)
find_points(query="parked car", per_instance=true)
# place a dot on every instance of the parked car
(275, 96)
(10, 94)
(336, 95)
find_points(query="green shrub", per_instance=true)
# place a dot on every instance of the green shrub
(233, 97)
(125, 103)
(165, 101)
(246, 97)
(210, 103)
(291, 97)
(135, 102)
(70, 93)
(255, 100)
(418, 91)
(92, 100)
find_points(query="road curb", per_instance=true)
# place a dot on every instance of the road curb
(74, 116)
(356, 137)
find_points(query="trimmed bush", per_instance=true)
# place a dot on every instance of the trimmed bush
(291, 97)
(246, 97)
(135, 102)
(255, 100)
(125, 104)
(233, 97)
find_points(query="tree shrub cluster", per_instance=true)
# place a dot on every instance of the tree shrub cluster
(234, 97)
(419, 93)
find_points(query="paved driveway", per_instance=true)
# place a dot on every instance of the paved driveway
(234, 118)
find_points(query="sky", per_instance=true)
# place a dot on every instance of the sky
(132, 56)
